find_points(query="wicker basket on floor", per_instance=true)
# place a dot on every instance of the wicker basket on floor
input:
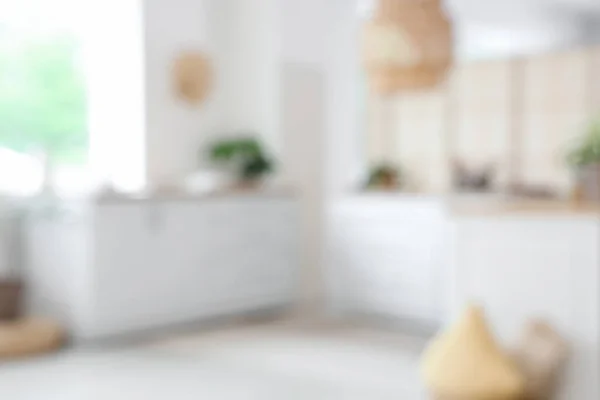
(541, 355)
(29, 337)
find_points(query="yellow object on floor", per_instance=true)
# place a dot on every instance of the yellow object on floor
(466, 363)
(29, 337)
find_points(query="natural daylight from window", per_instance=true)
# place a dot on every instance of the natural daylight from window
(43, 118)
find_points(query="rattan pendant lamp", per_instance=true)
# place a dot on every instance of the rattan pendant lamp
(408, 45)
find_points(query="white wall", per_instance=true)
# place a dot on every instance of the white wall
(345, 136)
(305, 27)
(252, 73)
(241, 38)
(481, 40)
(174, 128)
(260, 65)
(344, 158)
(303, 134)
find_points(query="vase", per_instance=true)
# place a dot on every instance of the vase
(207, 181)
(589, 179)
(10, 299)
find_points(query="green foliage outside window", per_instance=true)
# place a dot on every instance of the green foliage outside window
(42, 98)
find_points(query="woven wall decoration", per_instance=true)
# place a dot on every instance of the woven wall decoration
(408, 45)
(192, 74)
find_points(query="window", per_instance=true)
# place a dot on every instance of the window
(42, 96)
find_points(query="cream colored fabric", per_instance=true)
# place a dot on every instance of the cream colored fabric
(465, 363)
(28, 337)
(541, 355)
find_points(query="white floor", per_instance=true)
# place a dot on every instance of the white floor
(262, 363)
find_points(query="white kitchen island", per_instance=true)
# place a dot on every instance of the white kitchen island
(534, 260)
(421, 259)
(117, 266)
(386, 256)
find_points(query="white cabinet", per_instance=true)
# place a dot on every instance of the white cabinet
(536, 266)
(152, 263)
(386, 256)
(123, 254)
(249, 246)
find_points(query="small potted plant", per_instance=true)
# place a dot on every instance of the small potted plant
(245, 157)
(584, 158)
(383, 177)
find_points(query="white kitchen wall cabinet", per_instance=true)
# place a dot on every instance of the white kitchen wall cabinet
(117, 267)
(386, 257)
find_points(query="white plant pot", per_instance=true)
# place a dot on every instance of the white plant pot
(205, 181)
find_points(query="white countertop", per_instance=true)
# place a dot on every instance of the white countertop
(479, 205)
(181, 196)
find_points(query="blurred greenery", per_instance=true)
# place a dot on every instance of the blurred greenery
(245, 154)
(385, 176)
(42, 97)
(587, 148)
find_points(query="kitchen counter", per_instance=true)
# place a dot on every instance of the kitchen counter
(472, 205)
(179, 196)
(122, 266)
(523, 207)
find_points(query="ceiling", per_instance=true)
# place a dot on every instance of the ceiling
(501, 28)
(497, 28)
(518, 10)
(590, 5)
(507, 11)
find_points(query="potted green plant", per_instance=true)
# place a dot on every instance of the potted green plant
(383, 176)
(584, 158)
(245, 157)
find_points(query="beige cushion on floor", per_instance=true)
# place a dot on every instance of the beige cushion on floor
(465, 363)
(541, 355)
(29, 337)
